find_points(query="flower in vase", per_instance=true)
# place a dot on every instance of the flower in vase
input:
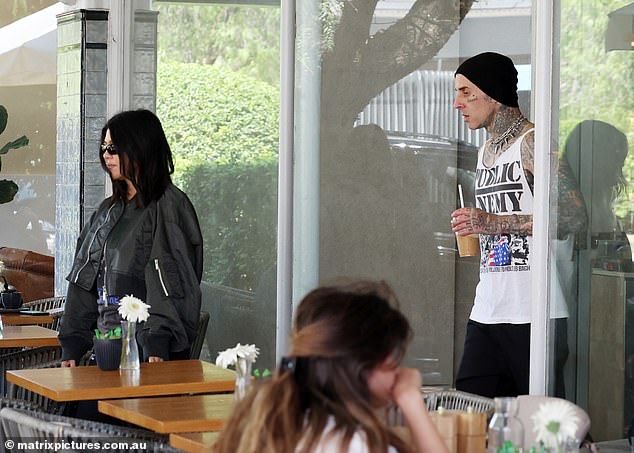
(229, 357)
(554, 423)
(133, 309)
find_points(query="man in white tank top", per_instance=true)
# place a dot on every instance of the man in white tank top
(497, 343)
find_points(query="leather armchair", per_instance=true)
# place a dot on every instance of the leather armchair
(33, 274)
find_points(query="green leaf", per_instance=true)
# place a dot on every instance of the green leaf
(8, 189)
(15, 144)
(264, 374)
(112, 334)
(4, 116)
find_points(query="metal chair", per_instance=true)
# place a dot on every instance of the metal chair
(201, 333)
(53, 360)
(31, 426)
(27, 358)
(46, 304)
(457, 400)
(448, 399)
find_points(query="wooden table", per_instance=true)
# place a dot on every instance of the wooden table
(173, 414)
(27, 336)
(153, 379)
(24, 319)
(194, 442)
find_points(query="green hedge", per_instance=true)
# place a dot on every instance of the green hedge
(223, 129)
(237, 209)
(216, 115)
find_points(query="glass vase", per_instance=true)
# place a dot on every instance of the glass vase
(243, 377)
(129, 349)
(506, 433)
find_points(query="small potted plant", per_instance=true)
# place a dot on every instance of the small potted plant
(108, 348)
(118, 348)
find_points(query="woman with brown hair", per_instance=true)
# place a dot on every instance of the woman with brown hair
(343, 368)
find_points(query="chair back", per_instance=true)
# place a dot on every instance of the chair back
(34, 426)
(27, 358)
(45, 304)
(56, 314)
(201, 332)
(44, 357)
(530, 404)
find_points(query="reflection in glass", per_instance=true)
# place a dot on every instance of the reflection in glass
(218, 99)
(390, 155)
(28, 45)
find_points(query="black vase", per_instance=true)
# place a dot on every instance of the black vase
(107, 353)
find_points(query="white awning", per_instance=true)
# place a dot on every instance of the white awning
(28, 49)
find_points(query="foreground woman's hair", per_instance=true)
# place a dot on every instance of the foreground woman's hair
(340, 334)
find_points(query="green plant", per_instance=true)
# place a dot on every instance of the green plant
(223, 129)
(112, 334)
(260, 375)
(8, 189)
(239, 223)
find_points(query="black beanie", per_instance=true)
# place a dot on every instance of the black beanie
(494, 74)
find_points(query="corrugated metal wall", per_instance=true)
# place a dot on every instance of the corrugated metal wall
(421, 103)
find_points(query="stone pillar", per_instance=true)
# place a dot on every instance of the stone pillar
(143, 84)
(82, 112)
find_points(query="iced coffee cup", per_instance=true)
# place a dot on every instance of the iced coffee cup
(468, 245)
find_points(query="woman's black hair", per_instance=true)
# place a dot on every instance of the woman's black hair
(145, 157)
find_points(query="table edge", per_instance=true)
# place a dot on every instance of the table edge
(111, 393)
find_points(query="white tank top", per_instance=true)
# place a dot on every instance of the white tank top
(504, 292)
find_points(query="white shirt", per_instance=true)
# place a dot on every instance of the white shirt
(503, 294)
(332, 443)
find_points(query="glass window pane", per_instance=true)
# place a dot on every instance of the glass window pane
(28, 48)
(594, 272)
(218, 99)
(378, 83)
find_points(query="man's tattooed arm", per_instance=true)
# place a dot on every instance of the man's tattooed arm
(572, 216)
(486, 223)
(471, 220)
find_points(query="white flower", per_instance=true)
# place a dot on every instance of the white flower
(133, 309)
(1, 267)
(554, 423)
(229, 357)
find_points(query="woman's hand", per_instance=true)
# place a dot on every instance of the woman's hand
(407, 396)
(154, 358)
(68, 364)
(407, 385)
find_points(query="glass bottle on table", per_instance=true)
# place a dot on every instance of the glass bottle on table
(506, 432)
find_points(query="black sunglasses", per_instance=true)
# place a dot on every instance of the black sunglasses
(110, 149)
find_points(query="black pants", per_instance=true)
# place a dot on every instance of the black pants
(495, 360)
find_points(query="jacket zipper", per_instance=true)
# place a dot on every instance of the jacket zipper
(158, 270)
(91, 242)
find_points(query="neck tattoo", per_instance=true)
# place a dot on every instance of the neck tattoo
(500, 142)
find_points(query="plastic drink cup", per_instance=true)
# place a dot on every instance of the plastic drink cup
(468, 245)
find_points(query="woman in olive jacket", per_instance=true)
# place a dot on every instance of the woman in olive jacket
(144, 240)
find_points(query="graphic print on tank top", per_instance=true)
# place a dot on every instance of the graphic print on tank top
(503, 190)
